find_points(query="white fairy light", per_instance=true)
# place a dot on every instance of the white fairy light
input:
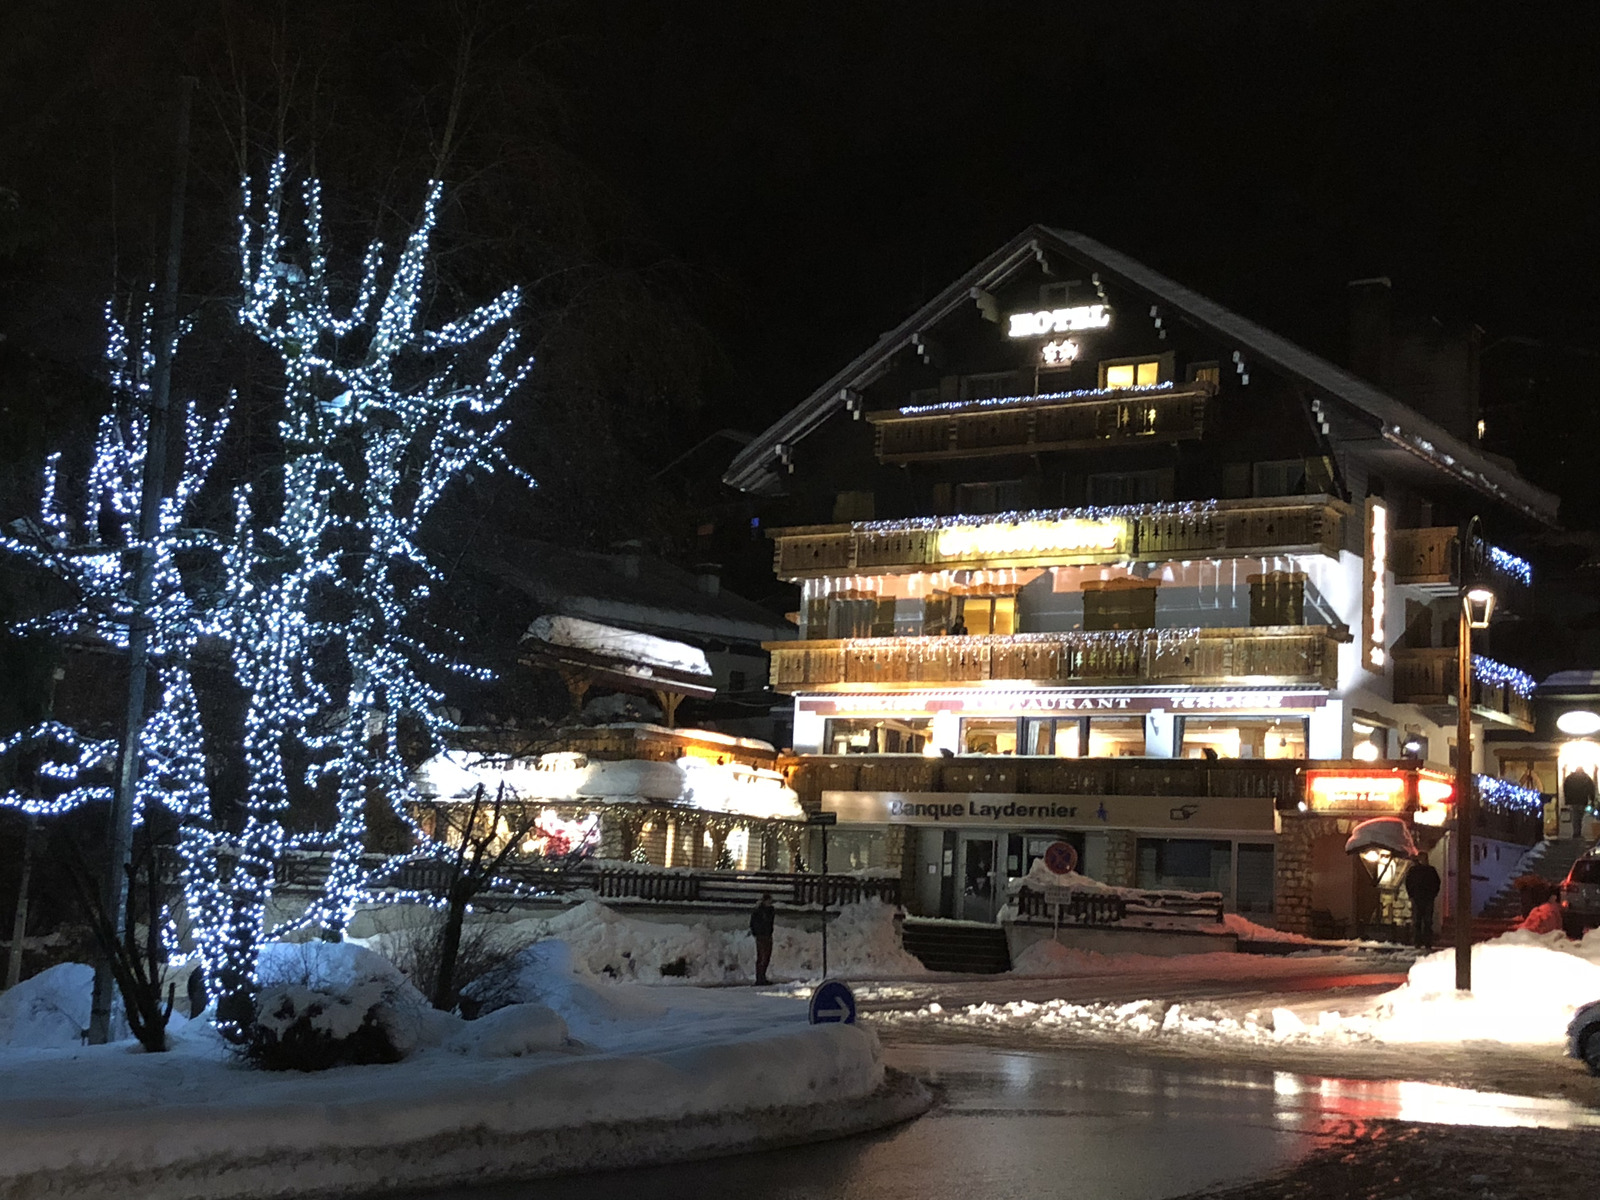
(311, 587)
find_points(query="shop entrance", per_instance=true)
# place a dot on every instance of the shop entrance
(977, 876)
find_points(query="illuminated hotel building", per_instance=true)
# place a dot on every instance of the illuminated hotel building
(1084, 556)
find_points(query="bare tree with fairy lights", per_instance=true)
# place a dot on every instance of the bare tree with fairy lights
(306, 599)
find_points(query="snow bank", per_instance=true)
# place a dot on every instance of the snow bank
(606, 944)
(1526, 987)
(661, 1074)
(52, 1009)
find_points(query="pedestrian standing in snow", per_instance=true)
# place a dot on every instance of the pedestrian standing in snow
(1580, 795)
(1422, 885)
(762, 919)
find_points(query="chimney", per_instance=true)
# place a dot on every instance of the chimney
(1371, 340)
(708, 577)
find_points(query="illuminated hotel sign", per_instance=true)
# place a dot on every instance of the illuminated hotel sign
(1059, 320)
(1032, 539)
(1374, 590)
(1380, 792)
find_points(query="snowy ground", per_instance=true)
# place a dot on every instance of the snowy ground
(584, 1067)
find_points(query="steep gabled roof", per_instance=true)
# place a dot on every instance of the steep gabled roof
(1387, 419)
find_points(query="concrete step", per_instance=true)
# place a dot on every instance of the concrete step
(1550, 859)
(949, 946)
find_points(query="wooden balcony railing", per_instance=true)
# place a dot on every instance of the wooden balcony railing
(1227, 528)
(1287, 654)
(1041, 424)
(1428, 677)
(1427, 558)
(1278, 781)
(1420, 557)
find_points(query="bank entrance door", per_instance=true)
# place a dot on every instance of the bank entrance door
(978, 877)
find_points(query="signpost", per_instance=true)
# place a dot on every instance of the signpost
(833, 1003)
(823, 820)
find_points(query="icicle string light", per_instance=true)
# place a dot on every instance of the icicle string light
(1504, 796)
(953, 406)
(1487, 670)
(1510, 565)
(1188, 509)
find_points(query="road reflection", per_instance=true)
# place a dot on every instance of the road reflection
(1092, 1124)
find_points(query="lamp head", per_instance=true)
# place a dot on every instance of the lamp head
(1479, 603)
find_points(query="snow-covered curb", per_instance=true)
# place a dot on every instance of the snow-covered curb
(528, 1119)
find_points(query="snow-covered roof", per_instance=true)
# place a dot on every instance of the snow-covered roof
(624, 645)
(1387, 419)
(564, 777)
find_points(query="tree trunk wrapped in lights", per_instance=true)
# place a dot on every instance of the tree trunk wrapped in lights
(306, 596)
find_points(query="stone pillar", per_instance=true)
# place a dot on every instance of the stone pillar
(1121, 857)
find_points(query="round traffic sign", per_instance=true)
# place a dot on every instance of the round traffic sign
(833, 1003)
(1060, 858)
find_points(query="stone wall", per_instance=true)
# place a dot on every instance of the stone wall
(1121, 858)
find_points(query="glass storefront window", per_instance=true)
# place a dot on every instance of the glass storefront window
(1255, 871)
(1244, 737)
(1186, 865)
(856, 849)
(1057, 737)
(989, 737)
(1116, 737)
(876, 735)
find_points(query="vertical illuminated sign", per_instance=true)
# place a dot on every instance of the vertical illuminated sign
(1374, 587)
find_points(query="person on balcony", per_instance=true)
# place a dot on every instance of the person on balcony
(958, 628)
(1580, 791)
(762, 919)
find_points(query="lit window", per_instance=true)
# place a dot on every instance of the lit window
(1132, 374)
(1206, 372)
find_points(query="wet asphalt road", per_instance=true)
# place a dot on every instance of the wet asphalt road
(1090, 1124)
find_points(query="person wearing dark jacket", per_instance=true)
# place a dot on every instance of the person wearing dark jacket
(762, 918)
(1580, 798)
(1422, 885)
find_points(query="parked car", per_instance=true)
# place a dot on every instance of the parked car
(1583, 1036)
(1580, 895)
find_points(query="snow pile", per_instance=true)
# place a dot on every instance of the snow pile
(1525, 989)
(660, 1075)
(1248, 931)
(606, 944)
(512, 1032)
(49, 1009)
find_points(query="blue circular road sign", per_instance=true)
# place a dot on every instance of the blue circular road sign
(833, 1003)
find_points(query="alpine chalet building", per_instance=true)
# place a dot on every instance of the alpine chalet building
(1084, 556)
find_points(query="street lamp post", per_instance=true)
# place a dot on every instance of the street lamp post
(1476, 605)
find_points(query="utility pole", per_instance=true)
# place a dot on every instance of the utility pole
(114, 887)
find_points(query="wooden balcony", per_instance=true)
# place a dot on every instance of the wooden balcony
(1271, 780)
(1032, 425)
(1314, 524)
(1296, 655)
(1426, 559)
(1428, 678)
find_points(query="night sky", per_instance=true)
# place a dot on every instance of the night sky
(795, 179)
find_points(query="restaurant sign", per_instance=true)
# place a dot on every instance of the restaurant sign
(1060, 701)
